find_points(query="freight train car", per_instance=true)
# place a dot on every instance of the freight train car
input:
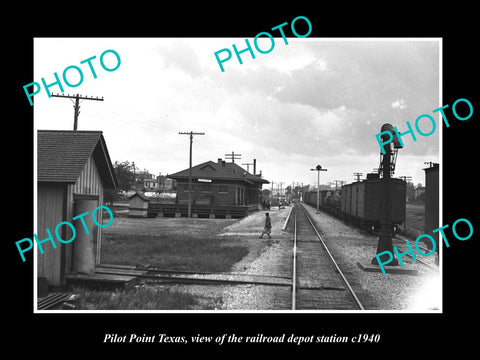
(362, 202)
(329, 200)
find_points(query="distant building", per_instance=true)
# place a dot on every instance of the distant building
(144, 181)
(150, 184)
(164, 183)
(419, 190)
(219, 183)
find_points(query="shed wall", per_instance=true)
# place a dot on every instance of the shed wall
(138, 203)
(90, 183)
(51, 208)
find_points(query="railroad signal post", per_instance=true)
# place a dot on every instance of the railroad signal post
(318, 168)
(388, 158)
(387, 166)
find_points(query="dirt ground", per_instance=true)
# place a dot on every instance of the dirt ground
(272, 258)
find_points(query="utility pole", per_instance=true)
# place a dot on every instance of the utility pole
(233, 156)
(406, 178)
(76, 105)
(338, 182)
(279, 192)
(134, 177)
(358, 175)
(191, 133)
(248, 164)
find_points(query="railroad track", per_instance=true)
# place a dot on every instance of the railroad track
(317, 280)
(402, 240)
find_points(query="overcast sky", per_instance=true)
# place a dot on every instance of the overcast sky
(313, 101)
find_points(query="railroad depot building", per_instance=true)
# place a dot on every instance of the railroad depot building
(73, 170)
(219, 183)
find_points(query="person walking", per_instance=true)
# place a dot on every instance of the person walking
(268, 226)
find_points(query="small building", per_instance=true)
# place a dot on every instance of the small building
(419, 191)
(219, 183)
(138, 205)
(144, 181)
(73, 170)
(150, 184)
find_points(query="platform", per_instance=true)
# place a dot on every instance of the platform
(399, 270)
(105, 278)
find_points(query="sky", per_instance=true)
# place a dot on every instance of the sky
(313, 101)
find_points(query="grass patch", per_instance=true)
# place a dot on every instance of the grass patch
(415, 220)
(143, 298)
(171, 252)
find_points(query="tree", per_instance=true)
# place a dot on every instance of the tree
(410, 192)
(125, 174)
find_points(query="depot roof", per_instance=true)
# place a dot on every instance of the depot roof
(219, 170)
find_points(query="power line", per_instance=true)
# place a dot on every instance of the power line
(126, 115)
(132, 117)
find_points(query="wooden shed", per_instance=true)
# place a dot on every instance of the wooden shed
(73, 169)
(138, 205)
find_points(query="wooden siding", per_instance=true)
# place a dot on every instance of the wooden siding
(90, 183)
(51, 207)
(55, 203)
(136, 203)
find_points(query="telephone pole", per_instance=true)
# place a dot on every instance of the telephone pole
(341, 182)
(191, 133)
(248, 164)
(406, 178)
(358, 175)
(76, 105)
(233, 156)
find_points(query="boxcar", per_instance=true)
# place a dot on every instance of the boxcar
(363, 202)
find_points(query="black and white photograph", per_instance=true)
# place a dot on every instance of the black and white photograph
(286, 185)
(291, 197)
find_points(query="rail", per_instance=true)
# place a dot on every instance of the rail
(334, 263)
(294, 275)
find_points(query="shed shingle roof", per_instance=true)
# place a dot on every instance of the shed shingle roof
(62, 155)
